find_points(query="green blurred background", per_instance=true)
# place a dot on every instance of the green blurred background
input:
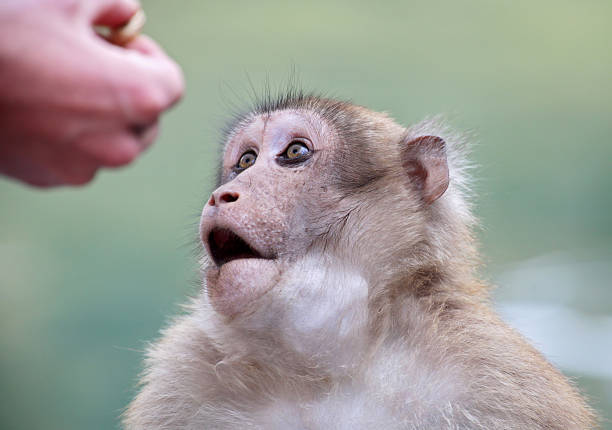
(88, 276)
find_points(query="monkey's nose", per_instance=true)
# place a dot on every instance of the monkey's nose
(223, 197)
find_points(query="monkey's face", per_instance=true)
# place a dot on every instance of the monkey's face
(261, 219)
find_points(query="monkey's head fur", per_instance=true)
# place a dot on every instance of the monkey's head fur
(324, 213)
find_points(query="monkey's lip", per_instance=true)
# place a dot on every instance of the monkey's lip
(226, 246)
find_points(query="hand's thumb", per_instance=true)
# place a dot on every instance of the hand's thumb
(111, 13)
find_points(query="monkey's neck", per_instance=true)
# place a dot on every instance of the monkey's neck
(329, 323)
(315, 317)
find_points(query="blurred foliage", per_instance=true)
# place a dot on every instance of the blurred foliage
(87, 276)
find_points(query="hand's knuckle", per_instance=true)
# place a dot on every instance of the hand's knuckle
(82, 178)
(149, 102)
(178, 85)
(120, 156)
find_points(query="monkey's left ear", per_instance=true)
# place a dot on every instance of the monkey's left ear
(424, 160)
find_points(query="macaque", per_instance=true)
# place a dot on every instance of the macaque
(340, 290)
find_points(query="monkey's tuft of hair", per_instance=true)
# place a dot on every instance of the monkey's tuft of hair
(340, 289)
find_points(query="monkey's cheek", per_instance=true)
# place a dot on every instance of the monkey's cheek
(235, 286)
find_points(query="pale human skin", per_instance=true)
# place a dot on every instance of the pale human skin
(70, 102)
(346, 295)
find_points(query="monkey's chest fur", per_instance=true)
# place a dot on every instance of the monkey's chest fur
(347, 406)
(194, 385)
(315, 372)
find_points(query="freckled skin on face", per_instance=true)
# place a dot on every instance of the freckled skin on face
(264, 204)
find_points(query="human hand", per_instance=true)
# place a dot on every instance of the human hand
(70, 102)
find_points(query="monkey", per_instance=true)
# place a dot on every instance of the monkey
(340, 289)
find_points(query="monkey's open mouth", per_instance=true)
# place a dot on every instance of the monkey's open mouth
(226, 246)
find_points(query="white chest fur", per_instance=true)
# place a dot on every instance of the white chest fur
(348, 408)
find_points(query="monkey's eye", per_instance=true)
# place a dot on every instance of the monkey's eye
(296, 152)
(246, 160)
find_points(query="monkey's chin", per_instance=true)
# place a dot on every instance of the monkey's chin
(236, 285)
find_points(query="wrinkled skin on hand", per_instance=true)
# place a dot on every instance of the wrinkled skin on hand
(70, 102)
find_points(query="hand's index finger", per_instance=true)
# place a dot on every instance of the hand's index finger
(148, 80)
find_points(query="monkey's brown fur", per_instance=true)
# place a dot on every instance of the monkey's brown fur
(362, 310)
